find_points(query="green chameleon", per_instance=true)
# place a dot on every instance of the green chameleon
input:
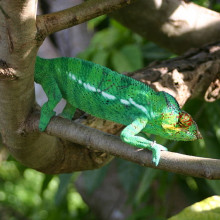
(109, 95)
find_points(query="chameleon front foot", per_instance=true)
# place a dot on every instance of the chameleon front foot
(68, 112)
(130, 135)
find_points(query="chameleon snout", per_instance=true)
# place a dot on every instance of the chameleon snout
(198, 135)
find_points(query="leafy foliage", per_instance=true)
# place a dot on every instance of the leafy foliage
(118, 48)
(39, 196)
(208, 209)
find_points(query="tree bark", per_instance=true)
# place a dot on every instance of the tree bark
(53, 22)
(194, 75)
(173, 24)
(20, 39)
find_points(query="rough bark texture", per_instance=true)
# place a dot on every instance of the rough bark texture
(174, 24)
(50, 23)
(19, 42)
(195, 74)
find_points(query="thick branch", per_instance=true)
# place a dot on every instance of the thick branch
(50, 23)
(97, 140)
(195, 74)
(175, 25)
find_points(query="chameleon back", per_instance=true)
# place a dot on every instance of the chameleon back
(100, 91)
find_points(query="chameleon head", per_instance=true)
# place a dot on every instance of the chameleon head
(171, 122)
(179, 126)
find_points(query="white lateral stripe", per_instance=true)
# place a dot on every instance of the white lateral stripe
(73, 77)
(108, 96)
(89, 87)
(141, 107)
(124, 101)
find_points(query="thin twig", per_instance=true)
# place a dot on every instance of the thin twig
(95, 139)
(50, 23)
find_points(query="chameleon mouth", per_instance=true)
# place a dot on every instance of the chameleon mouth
(197, 134)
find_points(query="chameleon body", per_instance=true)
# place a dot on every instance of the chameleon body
(109, 95)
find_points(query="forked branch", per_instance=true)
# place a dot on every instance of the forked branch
(50, 23)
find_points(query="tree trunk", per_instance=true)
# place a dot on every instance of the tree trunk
(18, 48)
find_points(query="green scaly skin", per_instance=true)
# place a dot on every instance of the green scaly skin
(109, 95)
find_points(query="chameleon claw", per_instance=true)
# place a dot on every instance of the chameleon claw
(162, 148)
(156, 152)
(156, 157)
(44, 120)
(42, 127)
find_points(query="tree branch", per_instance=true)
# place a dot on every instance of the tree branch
(175, 25)
(97, 140)
(50, 23)
(195, 74)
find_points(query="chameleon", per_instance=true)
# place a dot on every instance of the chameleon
(109, 95)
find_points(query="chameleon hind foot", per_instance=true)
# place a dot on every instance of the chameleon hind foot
(68, 111)
(45, 119)
(156, 148)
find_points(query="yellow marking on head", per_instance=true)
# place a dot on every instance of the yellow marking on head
(171, 127)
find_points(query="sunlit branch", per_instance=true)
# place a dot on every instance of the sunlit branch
(50, 23)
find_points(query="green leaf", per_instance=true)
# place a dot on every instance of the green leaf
(145, 183)
(143, 213)
(105, 39)
(208, 209)
(129, 175)
(100, 57)
(87, 54)
(127, 59)
(94, 178)
(62, 189)
(215, 185)
(119, 62)
(152, 52)
(213, 112)
(46, 181)
(134, 56)
(211, 126)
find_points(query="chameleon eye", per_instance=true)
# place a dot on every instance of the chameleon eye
(185, 120)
